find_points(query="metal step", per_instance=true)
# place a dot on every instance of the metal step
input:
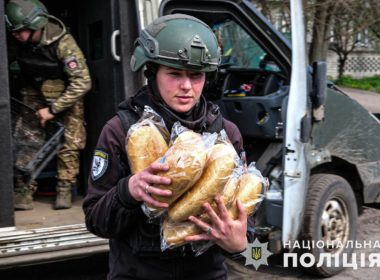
(24, 247)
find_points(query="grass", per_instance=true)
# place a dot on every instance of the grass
(368, 83)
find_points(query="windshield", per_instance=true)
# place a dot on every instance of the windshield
(237, 47)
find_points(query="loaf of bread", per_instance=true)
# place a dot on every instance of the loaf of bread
(250, 188)
(220, 164)
(247, 189)
(186, 159)
(145, 145)
(228, 195)
(174, 233)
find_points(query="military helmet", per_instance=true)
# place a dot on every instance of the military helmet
(30, 14)
(179, 41)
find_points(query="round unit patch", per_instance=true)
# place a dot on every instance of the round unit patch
(71, 62)
(99, 164)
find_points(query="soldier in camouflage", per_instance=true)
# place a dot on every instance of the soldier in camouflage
(56, 79)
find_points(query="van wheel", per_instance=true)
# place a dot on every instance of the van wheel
(330, 216)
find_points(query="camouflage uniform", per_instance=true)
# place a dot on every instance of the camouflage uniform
(61, 88)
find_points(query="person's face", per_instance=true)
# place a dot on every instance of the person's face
(22, 35)
(180, 89)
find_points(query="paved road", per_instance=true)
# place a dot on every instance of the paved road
(369, 100)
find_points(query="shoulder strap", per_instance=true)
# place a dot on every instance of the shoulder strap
(127, 118)
(214, 118)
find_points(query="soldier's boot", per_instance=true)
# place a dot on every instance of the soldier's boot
(64, 196)
(23, 195)
(23, 199)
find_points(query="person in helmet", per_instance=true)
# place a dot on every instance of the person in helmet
(177, 51)
(55, 79)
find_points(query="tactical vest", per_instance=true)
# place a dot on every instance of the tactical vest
(38, 64)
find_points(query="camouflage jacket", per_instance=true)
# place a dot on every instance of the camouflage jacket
(58, 49)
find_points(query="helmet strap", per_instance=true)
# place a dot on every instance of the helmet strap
(30, 38)
(150, 74)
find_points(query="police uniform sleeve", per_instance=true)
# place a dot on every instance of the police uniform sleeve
(75, 67)
(109, 208)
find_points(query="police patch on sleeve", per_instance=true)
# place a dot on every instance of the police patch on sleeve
(99, 164)
(71, 62)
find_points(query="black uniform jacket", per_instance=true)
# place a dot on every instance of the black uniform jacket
(111, 212)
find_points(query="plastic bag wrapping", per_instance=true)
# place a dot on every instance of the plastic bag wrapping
(186, 158)
(250, 192)
(146, 140)
(173, 233)
(221, 161)
(246, 185)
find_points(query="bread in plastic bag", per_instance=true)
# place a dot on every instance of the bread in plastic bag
(248, 186)
(186, 158)
(146, 140)
(221, 161)
(173, 234)
(252, 187)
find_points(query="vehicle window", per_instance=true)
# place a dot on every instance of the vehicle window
(237, 46)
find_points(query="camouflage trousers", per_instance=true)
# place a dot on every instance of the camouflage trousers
(68, 161)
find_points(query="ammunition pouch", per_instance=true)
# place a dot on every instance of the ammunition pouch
(52, 89)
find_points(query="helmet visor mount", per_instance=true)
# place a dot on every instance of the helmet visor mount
(10, 26)
(194, 56)
(28, 22)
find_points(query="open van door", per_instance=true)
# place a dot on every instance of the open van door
(6, 177)
(107, 30)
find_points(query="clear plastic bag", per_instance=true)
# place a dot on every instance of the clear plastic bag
(220, 177)
(186, 158)
(174, 233)
(250, 193)
(221, 162)
(246, 185)
(146, 140)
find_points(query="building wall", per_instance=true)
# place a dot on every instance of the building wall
(360, 64)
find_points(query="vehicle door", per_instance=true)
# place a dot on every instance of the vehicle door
(108, 30)
(6, 171)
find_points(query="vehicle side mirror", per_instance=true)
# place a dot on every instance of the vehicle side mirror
(319, 89)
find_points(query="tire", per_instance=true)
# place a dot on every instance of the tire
(329, 196)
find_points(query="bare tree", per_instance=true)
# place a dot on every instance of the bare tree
(351, 18)
(320, 15)
(331, 24)
(277, 11)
